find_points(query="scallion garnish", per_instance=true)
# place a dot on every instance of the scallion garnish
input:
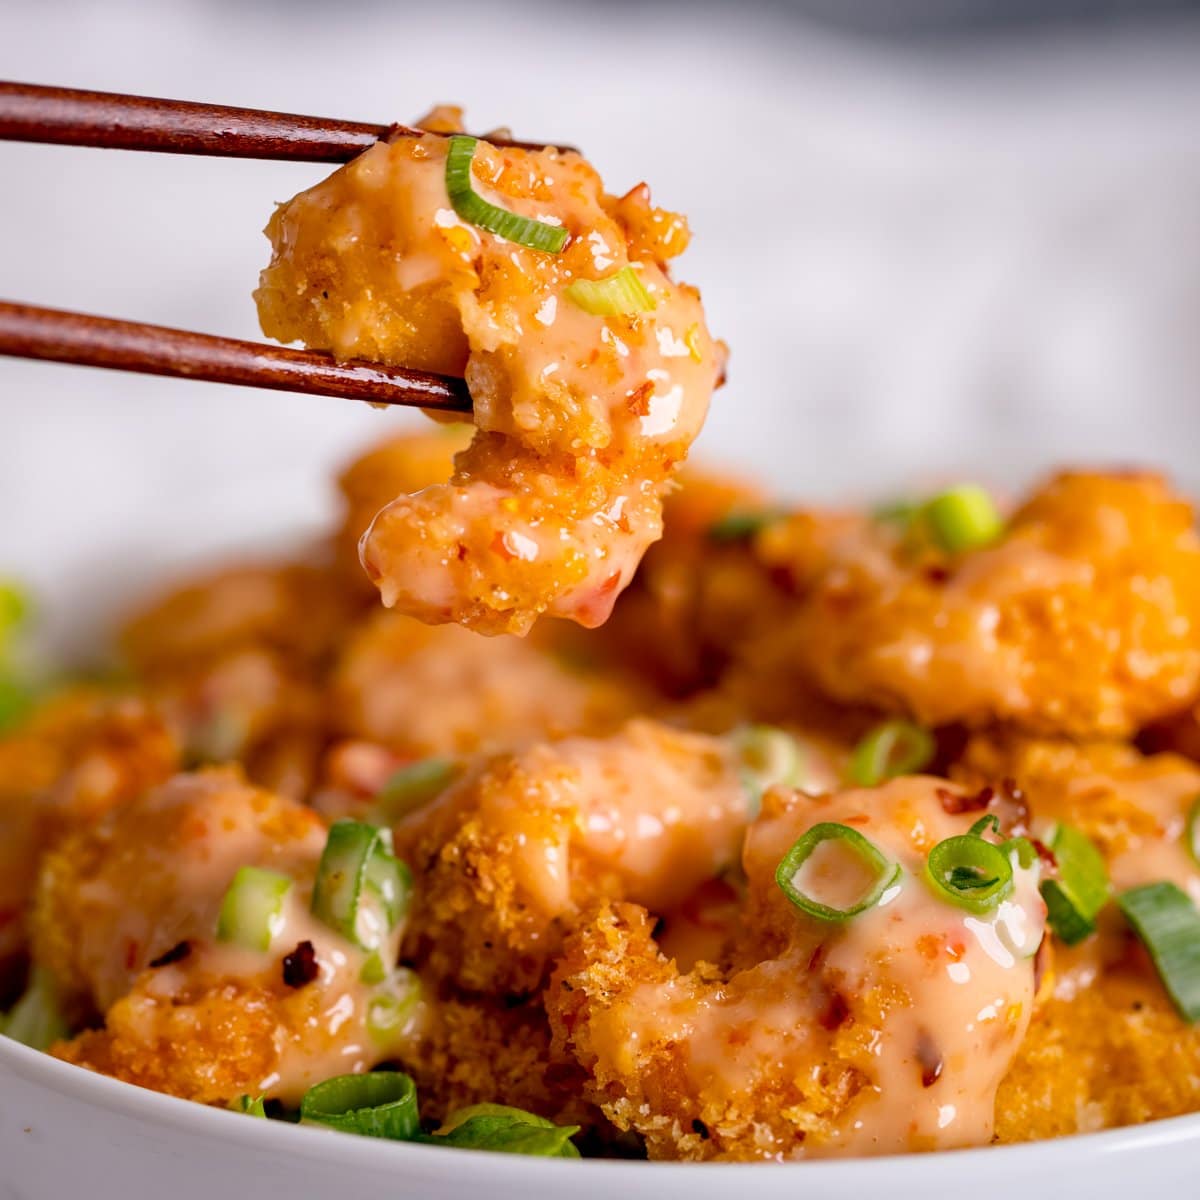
(252, 910)
(252, 1106)
(1080, 890)
(1165, 919)
(766, 757)
(413, 786)
(392, 1004)
(1191, 831)
(806, 867)
(970, 872)
(362, 889)
(505, 1130)
(472, 207)
(739, 524)
(36, 1019)
(618, 294)
(963, 518)
(891, 749)
(381, 1104)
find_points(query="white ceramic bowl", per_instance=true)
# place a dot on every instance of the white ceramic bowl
(66, 1133)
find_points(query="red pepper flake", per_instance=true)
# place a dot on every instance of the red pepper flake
(639, 399)
(930, 1059)
(836, 1012)
(300, 967)
(177, 953)
(955, 802)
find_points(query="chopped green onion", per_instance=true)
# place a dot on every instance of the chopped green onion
(963, 518)
(472, 207)
(505, 1130)
(1080, 891)
(412, 787)
(362, 890)
(390, 1006)
(1192, 831)
(252, 910)
(252, 1106)
(788, 875)
(986, 824)
(382, 1104)
(767, 757)
(16, 700)
(970, 872)
(15, 609)
(36, 1019)
(374, 969)
(1165, 919)
(897, 512)
(616, 295)
(893, 748)
(739, 524)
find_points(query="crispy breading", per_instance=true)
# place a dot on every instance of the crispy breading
(505, 860)
(1115, 1053)
(79, 754)
(1080, 620)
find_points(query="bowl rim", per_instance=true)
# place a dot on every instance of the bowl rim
(491, 1169)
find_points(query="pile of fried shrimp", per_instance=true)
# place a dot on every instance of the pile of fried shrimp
(647, 815)
(594, 819)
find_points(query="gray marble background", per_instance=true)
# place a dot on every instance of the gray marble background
(930, 258)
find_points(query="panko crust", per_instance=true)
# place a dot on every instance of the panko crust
(505, 861)
(1081, 620)
(1115, 1053)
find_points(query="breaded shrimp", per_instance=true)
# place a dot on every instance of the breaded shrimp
(81, 753)
(126, 919)
(423, 690)
(505, 860)
(887, 1032)
(581, 418)
(1083, 619)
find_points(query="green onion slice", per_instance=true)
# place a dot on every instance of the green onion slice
(767, 757)
(970, 872)
(862, 864)
(963, 518)
(15, 608)
(36, 1019)
(362, 890)
(382, 1104)
(1192, 831)
(505, 1130)
(740, 524)
(1081, 888)
(252, 910)
(252, 1106)
(1165, 919)
(893, 748)
(412, 787)
(392, 1004)
(616, 295)
(472, 207)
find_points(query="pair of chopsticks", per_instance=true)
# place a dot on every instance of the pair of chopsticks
(66, 117)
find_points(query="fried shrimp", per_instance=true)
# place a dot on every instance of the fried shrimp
(494, 693)
(80, 754)
(1080, 620)
(505, 860)
(127, 921)
(582, 418)
(885, 1033)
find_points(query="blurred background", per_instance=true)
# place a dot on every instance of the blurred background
(940, 237)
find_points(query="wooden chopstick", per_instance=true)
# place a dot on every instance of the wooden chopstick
(47, 333)
(69, 117)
